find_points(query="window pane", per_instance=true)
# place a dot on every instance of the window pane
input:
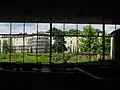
(117, 27)
(70, 42)
(109, 29)
(17, 28)
(16, 42)
(42, 43)
(4, 28)
(57, 43)
(30, 28)
(107, 48)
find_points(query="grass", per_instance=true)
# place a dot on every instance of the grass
(44, 58)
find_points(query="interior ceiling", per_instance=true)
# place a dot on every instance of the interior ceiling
(82, 11)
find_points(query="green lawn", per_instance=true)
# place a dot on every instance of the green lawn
(44, 58)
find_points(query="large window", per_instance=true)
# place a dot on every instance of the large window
(58, 43)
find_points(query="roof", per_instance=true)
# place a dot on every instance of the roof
(13, 36)
(99, 31)
(76, 10)
(115, 31)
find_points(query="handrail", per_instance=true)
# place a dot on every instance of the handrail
(96, 77)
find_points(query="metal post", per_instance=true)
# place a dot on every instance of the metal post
(64, 38)
(10, 39)
(50, 40)
(103, 40)
(37, 44)
(90, 41)
(23, 41)
(77, 43)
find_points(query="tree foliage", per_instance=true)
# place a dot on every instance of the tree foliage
(59, 41)
(5, 47)
(72, 32)
(91, 44)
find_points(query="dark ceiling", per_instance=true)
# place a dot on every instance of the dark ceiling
(83, 11)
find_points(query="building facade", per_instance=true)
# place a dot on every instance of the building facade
(17, 43)
(33, 44)
(71, 44)
(25, 44)
(39, 44)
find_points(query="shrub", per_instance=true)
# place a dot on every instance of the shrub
(3, 56)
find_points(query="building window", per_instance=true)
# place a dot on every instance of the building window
(87, 41)
(16, 39)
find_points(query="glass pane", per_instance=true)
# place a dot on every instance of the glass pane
(98, 29)
(30, 28)
(4, 28)
(70, 29)
(108, 48)
(17, 28)
(117, 27)
(42, 42)
(109, 29)
(16, 40)
(90, 49)
(43, 27)
(58, 43)
(70, 42)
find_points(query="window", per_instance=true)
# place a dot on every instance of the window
(75, 43)
(16, 39)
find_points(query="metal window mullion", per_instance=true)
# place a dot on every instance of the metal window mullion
(50, 40)
(37, 44)
(90, 42)
(103, 40)
(63, 39)
(10, 42)
(77, 43)
(23, 41)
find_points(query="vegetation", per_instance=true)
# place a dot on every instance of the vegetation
(44, 58)
(90, 46)
(59, 44)
(5, 47)
(72, 32)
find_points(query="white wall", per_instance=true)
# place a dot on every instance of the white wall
(72, 43)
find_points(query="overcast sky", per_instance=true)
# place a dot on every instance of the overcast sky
(32, 27)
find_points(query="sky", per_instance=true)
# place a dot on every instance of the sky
(17, 28)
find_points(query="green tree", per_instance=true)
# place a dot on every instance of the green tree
(59, 41)
(72, 32)
(90, 44)
(107, 45)
(5, 47)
